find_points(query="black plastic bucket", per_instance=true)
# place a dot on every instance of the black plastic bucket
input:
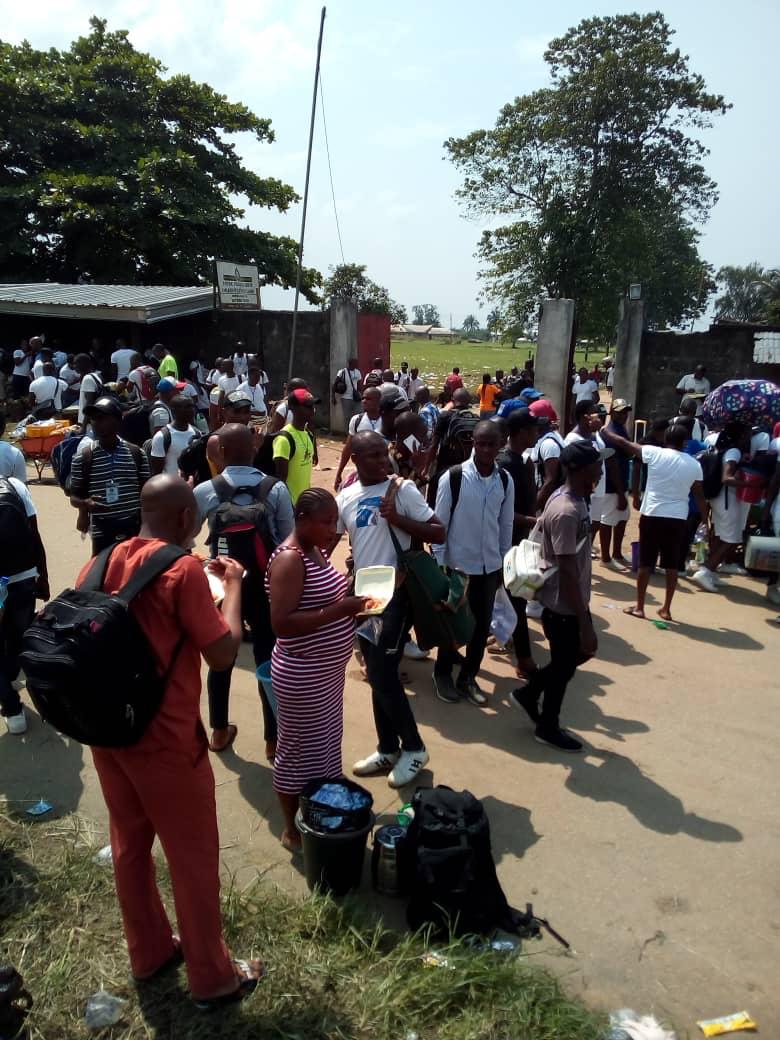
(333, 862)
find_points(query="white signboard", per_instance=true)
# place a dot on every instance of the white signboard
(238, 286)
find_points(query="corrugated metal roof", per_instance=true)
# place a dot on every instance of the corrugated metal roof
(136, 303)
(766, 348)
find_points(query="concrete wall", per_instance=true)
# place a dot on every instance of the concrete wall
(553, 354)
(726, 351)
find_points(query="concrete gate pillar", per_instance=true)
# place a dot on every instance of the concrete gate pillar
(553, 353)
(343, 346)
(629, 351)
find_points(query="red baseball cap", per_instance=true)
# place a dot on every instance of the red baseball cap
(543, 410)
(304, 397)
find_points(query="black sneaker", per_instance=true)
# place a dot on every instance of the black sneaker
(445, 690)
(468, 688)
(557, 738)
(528, 700)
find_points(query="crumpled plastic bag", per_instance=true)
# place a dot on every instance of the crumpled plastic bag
(504, 619)
(638, 1027)
(103, 1009)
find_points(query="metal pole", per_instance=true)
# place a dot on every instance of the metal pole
(299, 272)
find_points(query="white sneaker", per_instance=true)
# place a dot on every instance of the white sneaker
(616, 565)
(534, 608)
(376, 763)
(414, 653)
(17, 724)
(705, 579)
(731, 568)
(773, 594)
(407, 767)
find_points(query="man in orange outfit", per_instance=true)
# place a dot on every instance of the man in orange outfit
(163, 785)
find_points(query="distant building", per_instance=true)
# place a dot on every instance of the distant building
(428, 331)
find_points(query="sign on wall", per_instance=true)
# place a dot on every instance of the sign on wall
(238, 286)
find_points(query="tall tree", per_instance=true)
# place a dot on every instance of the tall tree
(350, 282)
(112, 172)
(744, 294)
(470, 324)
(426, 314)
(494, 321)
(599, 177)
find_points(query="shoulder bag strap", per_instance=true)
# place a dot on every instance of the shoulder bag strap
(392, 494)
(223, 489)
(137, 455)
(455, 477)
(96, 574)
(159, 561)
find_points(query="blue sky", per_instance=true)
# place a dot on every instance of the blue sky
(398, 80)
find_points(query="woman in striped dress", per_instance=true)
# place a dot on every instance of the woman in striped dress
(313, 621)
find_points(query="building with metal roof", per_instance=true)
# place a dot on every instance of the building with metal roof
(136, 304)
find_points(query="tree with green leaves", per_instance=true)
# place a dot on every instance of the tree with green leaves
(350, 282)
(111, 171)
(470, 325)
(426, 314)
(598, 179)
(494, 321)
(743, 297)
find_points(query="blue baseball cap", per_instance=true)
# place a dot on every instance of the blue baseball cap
(531, 394)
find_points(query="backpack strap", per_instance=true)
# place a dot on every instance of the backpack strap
(86, 453)
(455, 477)
(96, 574)
(291, 441)
(138, 455)
(159, 561)
(166, 432)
(223, 489)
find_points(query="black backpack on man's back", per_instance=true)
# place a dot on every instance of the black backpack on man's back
(18, 550)
(242, 531)
(90, 670)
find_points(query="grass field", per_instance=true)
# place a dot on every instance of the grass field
(436, 358)
(330, 976)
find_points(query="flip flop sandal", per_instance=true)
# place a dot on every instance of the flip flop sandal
(175, 959)
(249, 974)
(232, 734)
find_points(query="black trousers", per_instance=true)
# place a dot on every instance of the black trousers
(17, 616)
(107, 532)
(481, 594)
(563, 635)
(520, 636)
(255, 610)
(393, 716)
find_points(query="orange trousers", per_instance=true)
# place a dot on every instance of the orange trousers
(168, 794)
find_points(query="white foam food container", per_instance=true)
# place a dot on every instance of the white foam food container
(378, 583)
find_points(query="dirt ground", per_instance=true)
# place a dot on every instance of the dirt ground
(654, 852)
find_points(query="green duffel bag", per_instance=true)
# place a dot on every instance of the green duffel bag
(441, 614)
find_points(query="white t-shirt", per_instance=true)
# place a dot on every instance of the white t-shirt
(361, 423)
(730, 455)
(240, 364)
(60, 358)
(160, 416)
(70, 375)
(368, 532)
(179, 441)
(12, 462)
(611, 377)
(415, 385)
(351, 377)
(670, 476)
(547, 447)
(404, 380)
(37, 369)
(22, 368)
(122, 358)
(91, 383)
(774, 448)
(585, 391)
(691, 385)
(256, 395)
(48, 388)
(228, 384)
(29, 507)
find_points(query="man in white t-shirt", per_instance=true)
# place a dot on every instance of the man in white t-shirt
(729, 514)
(403, 378)
(415, 384)
(91, 385)
(695, 382)
(171, 440)
(228, 381)
(20, 377)
(45, 357)
(240, 361)
(546, 454)
(367, 421)
(253, 390)
(353, 384)
(161, 414)
(366, 513)
(585, 388)
(12, 462)
(672, 476)
(122, 359)
(46, 391)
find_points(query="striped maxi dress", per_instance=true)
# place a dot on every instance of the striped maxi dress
(308, 677)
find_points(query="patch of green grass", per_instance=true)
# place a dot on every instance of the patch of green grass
(332, 976)
(435, 358)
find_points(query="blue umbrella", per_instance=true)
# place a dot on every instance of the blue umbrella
(754, 402)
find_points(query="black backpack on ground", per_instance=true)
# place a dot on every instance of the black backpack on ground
(18, 549)
(91, 671)
(448, 869)
(242, 532)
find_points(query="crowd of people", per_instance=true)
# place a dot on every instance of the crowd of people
(470, 475)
